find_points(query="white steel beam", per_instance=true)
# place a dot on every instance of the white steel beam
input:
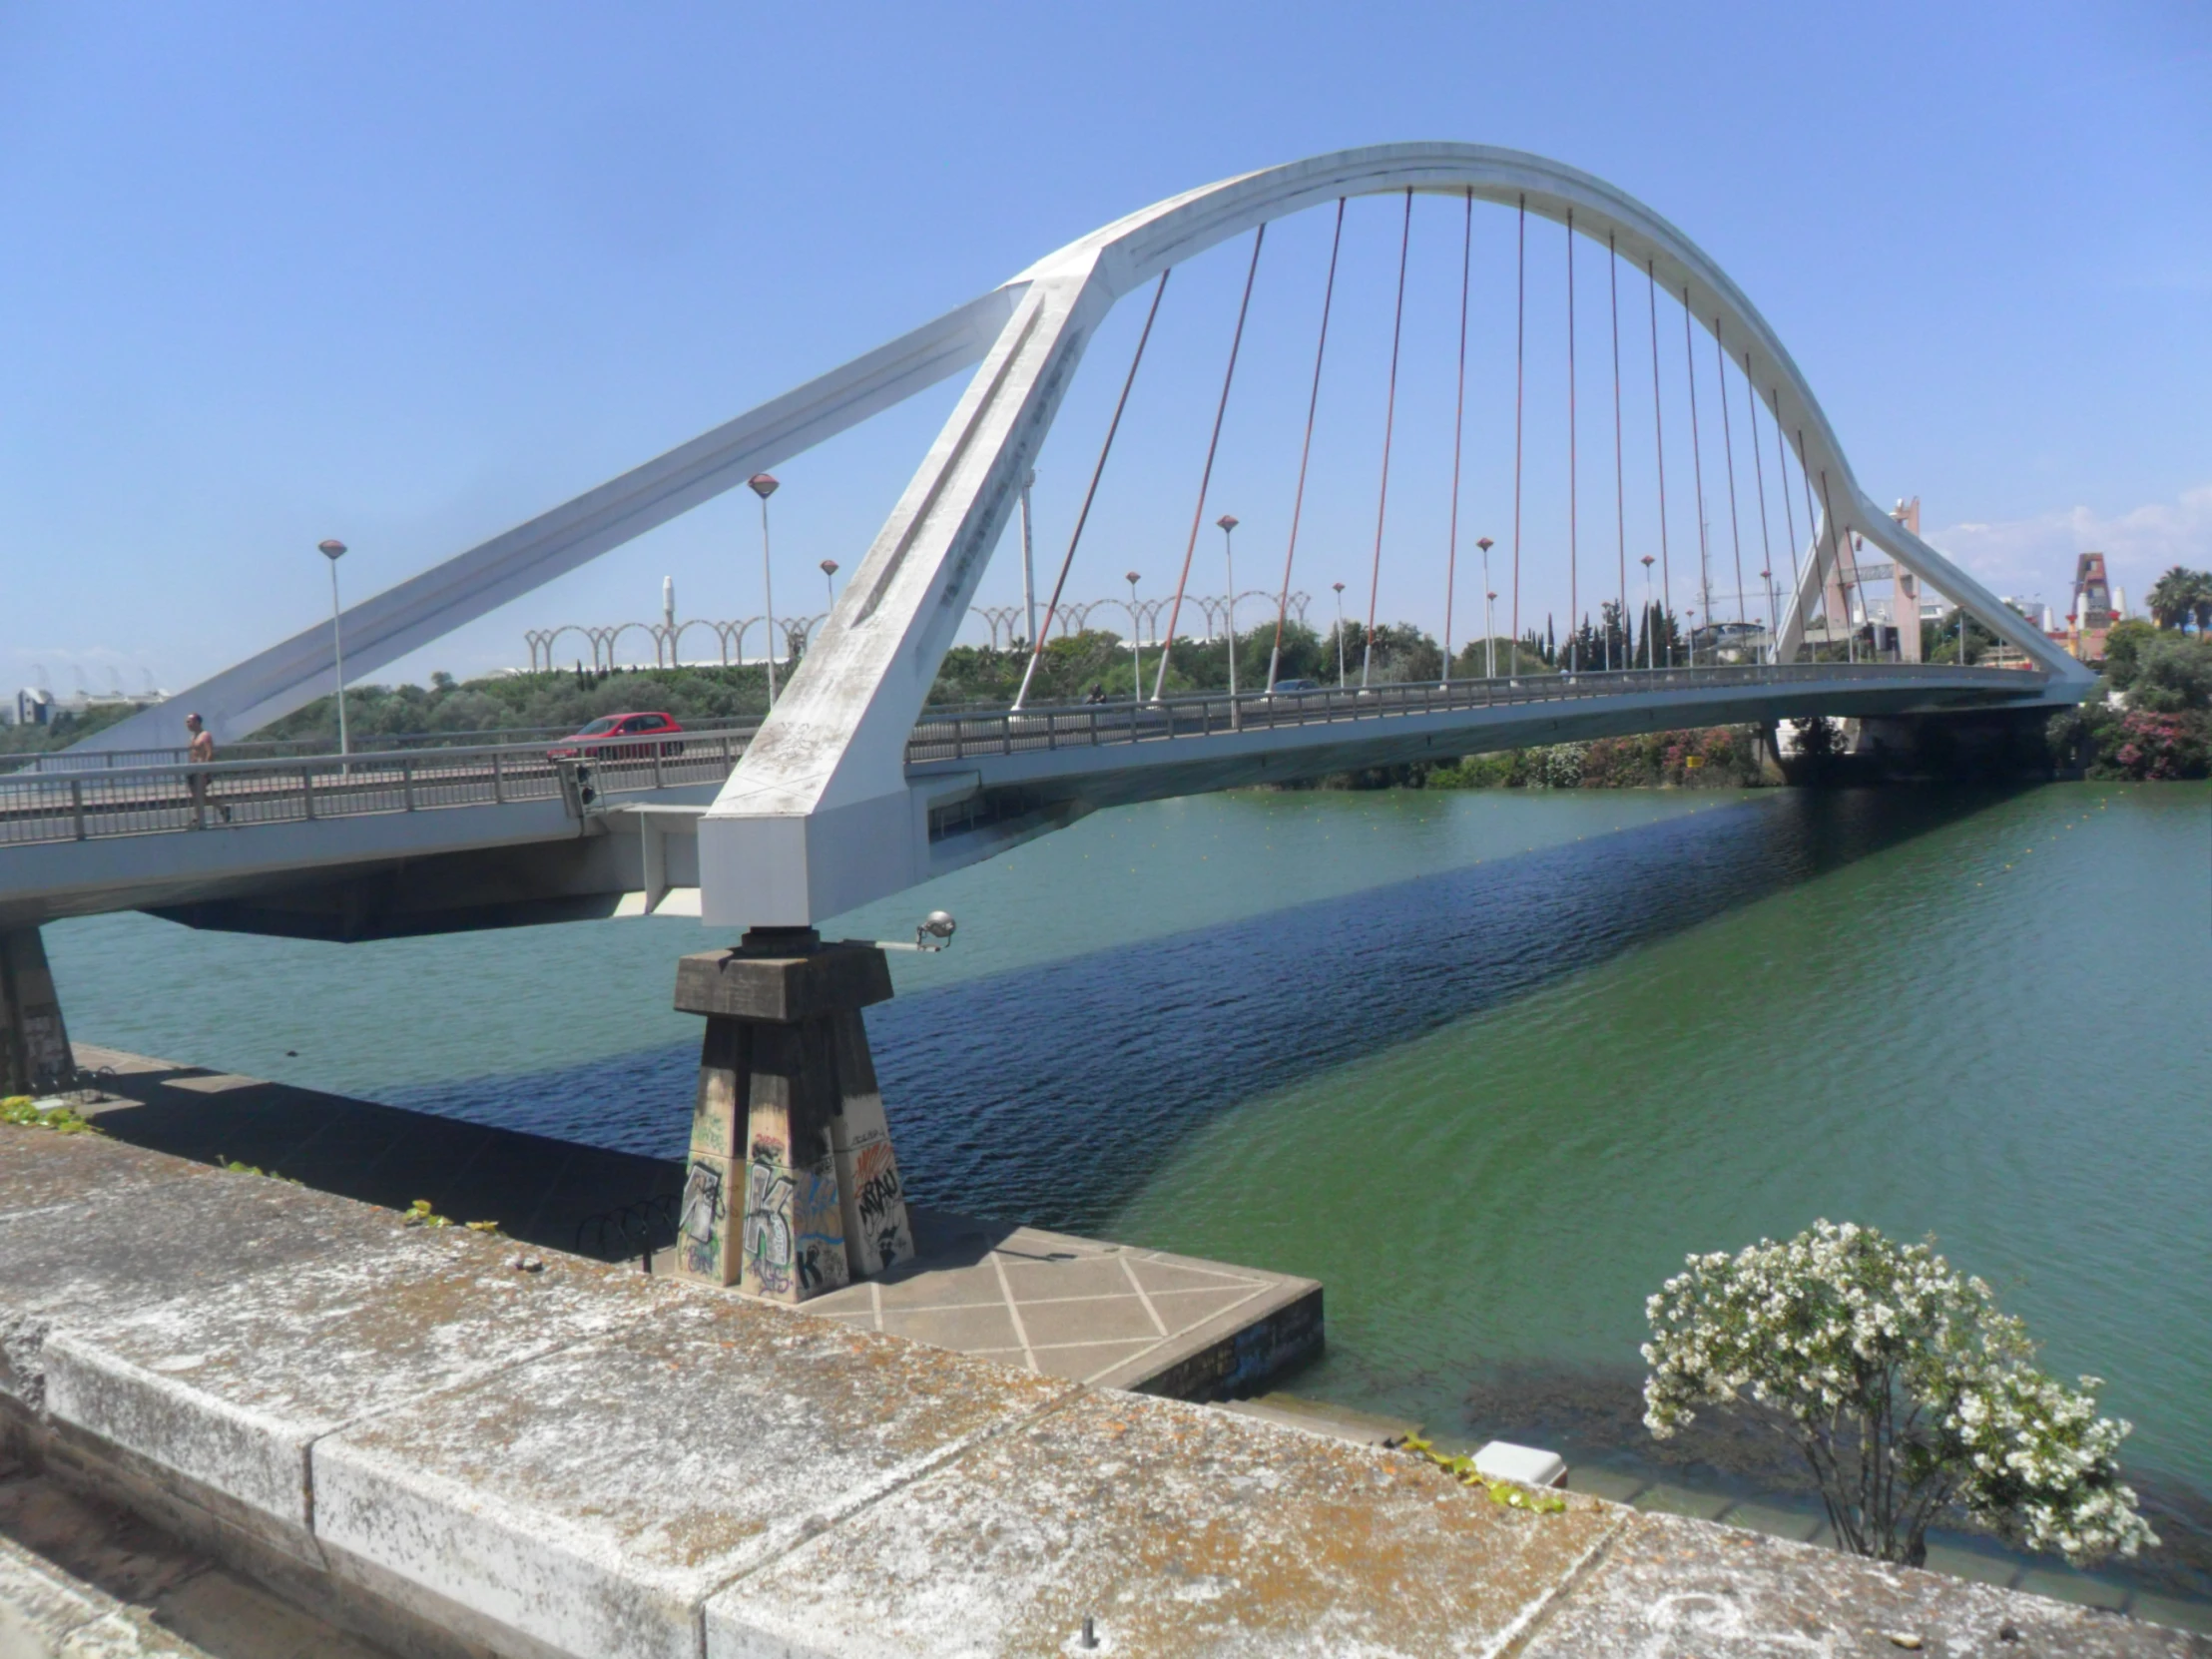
(424, 608)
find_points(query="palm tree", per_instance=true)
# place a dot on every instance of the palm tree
(2180, 594)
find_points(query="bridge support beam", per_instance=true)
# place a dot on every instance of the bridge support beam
(34, 1045)
(793, 1189)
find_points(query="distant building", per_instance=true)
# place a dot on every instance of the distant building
(2092, 615)
(34, 706)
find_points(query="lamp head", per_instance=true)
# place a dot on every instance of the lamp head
(1130, 577)
(937, 925)
(1484, 543)
(334, 549)
(1227, 521)
(829, 567)
(1338, 586)
(761, 484)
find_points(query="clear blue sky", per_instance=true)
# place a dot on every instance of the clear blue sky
(407, 275)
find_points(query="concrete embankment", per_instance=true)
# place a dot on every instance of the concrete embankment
(453, 1446)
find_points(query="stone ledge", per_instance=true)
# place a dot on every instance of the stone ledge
(232, 1393)
(46, 1614)
(1182, 1530)
(594, 1497)
(1669, 1585)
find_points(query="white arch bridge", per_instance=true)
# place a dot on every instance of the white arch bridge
(850, 789)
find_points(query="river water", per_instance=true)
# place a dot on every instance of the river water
(1487, 1064)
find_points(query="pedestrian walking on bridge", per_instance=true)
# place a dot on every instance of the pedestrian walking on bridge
(202, 751)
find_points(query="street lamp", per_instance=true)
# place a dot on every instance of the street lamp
(762, 484)
(1135, 655)
(1028, 562)
(1340, 587)
(1228, 523)
(1766, 576)
(1647, 611)
(830, 580)
(334, 550)
(1489, 626)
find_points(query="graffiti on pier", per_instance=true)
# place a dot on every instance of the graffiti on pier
(698, 1223)
(879, 1203)
(814, 1218)
(768, 1241)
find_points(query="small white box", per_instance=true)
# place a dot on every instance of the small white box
(1530, 1467)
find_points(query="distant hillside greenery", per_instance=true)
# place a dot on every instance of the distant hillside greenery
(971, 674)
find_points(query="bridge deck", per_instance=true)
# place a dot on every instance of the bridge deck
(77, 842)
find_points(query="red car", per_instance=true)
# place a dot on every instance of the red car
(621, 738)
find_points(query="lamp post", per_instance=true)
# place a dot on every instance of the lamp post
(1647, 611)
(830, 580)
(1766, 576)
(1228, 523)
(762, 484)
(1135, 655)
(1490, 625)
(334, 550)
(1340, 587)
(1028, 564)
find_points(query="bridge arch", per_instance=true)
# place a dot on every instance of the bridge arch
(826, 773)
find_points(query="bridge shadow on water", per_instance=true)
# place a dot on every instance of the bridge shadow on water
(1051, 1094)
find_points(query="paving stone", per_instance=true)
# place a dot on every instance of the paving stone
(1674, 1588)
(233, 1391)
(41, 1171)
(1183, 1531)
(590, 1499)
(126, 1248)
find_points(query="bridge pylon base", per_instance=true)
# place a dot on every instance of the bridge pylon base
(35, 1056)
(793, 1189)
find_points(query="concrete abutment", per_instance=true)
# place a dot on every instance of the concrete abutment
(34, 1044)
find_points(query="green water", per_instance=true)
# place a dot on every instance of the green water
(1488, 1065)
(1995, 1031)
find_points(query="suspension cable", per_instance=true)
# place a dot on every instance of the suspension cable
(1836, 564)
(1036, 646)
(1782, 488)
(1812, 528)
(1766, 538)
(1728, 448)
(1206, 478)
(1521, 337)
(1659, 439)
(1697, 472)
(1575, 598)
(1313, 402)
(1458, 425)
(1390, 422)
(1620, 488)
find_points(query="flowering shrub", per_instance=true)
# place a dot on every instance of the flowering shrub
(1909, 1394)
(2157, 747)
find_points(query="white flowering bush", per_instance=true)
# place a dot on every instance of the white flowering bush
(1910, 1396)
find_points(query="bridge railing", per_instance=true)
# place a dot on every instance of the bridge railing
(115, 759)
(957, 735)
(140, 801)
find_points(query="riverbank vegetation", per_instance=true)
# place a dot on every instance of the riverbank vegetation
(2150, 718)
(1909, 1396)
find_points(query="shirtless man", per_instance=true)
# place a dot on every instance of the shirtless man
(202, 751)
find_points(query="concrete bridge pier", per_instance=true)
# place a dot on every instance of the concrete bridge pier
(34, 1044)
(793, 1189)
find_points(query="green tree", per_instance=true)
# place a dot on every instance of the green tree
(2180, 595)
